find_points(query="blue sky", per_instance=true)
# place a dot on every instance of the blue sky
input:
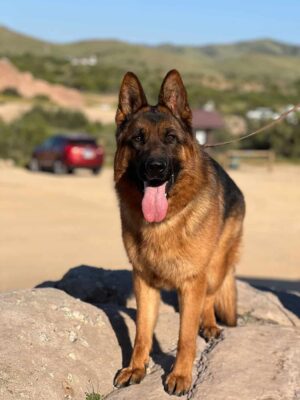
(153, 21)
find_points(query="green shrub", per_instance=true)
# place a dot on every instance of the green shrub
(10, 92)
(18, 139)
(41, 98)
(93, 396)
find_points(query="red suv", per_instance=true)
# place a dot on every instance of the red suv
(64, 153)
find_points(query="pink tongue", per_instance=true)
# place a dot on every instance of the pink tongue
(155, 203)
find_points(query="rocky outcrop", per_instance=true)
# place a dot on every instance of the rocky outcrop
(29, 87)
(249, 363)
(54, 345)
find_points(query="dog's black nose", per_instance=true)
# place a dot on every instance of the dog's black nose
(155, 167)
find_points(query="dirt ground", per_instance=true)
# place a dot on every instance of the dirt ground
(50, 224)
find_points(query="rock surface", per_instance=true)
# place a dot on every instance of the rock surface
(257, 362)
(55, 346)
(242, 366)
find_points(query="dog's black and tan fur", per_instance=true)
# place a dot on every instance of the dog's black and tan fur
(193, 247)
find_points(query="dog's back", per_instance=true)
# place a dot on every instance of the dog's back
(233, 199)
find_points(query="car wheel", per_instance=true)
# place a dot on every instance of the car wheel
(59, 167)
(34, 165)
(96, 171)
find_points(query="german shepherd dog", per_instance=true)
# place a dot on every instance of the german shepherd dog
(181, 220)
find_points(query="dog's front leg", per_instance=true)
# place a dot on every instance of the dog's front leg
(191, 300)
(147, 300)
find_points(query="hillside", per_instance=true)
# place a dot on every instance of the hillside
(16, 43)
(257, 61)
(263, 46)
(29, 87)
(236, 78)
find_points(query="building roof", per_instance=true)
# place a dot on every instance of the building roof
(205, 120)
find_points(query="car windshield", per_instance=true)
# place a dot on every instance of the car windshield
(82, 142)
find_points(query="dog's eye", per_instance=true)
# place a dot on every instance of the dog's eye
(170, 138)
(139, 138)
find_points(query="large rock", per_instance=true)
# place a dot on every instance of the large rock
(250, 363)
(55, 346)
(257, 362)
(260, 307)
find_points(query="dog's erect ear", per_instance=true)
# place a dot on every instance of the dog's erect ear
(173, 95)
(131, 97)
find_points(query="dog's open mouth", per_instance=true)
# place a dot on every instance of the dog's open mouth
(155, 201)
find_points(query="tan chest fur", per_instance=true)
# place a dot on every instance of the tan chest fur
(173, 251)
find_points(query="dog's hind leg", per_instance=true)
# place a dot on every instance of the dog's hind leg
(226, 299)
(226, 296)
(222, 303)
(221, 295)
(209, 327)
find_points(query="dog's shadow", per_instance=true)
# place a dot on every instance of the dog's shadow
(111, 291)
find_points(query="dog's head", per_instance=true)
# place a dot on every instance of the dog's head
(154, 143)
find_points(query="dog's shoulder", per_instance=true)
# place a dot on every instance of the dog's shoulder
(233, 199)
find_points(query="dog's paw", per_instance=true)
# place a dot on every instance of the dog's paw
(178, 385)
(210, 332)
(129, 376)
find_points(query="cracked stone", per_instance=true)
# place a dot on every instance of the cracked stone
(257, 360)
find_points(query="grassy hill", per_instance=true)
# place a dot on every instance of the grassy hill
(16, 43)
(256, 60)
(237, 77)
(268, 70)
